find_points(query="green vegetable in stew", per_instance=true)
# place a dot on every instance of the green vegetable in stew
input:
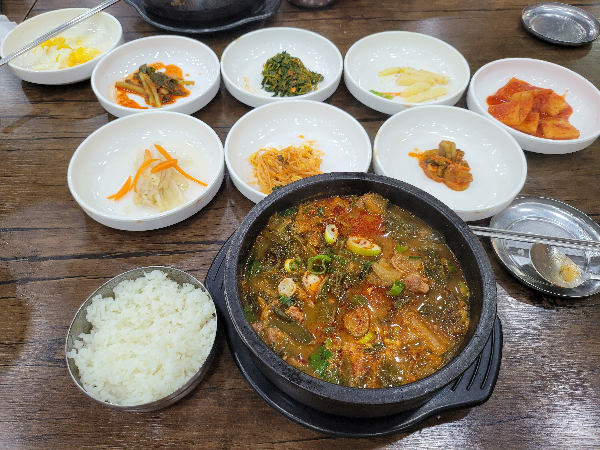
(319, 361)
(396, 289)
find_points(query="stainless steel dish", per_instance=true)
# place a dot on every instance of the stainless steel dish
(546, 216)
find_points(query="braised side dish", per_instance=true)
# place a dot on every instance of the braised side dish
(533, 110)
(356, 291)
(446, 164)
(157, 83)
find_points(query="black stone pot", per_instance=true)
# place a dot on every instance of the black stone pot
(197, 10)
(347, 401)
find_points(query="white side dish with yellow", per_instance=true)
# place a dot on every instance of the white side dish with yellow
(67, 58)
(74, 46)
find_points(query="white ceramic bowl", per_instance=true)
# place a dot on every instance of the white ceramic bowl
(374, 53)
(104, 160)
(101, 31)
(242, 63)
(497, 162)
(197, 61)
(343, 140)
(582, 95)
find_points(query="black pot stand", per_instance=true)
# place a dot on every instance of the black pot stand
(472, 388)
(254, 14)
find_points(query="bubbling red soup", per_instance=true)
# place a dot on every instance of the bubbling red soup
(356, 291)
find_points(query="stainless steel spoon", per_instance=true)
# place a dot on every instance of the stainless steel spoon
(557, 268)
(57, 30)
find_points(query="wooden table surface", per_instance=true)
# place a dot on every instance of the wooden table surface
(52, 256)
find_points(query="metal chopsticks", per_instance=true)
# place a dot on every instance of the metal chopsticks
(579, 244)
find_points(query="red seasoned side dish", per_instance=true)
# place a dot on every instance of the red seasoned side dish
(533, 110)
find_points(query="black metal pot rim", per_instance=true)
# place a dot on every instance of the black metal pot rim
(419, 389)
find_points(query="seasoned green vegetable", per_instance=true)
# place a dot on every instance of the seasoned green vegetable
(287, 301)
(289, 212)
(286, 76)
(359, 300)
(294, 329)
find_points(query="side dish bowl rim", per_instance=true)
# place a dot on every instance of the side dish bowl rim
(385, 104)
(67, 72)
(254, 191)
(259, 100)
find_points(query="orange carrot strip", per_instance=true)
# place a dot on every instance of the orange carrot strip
(164, 165)
(124, 190)
(189, 177)
(163, 152)
(179, 169)
(140, 171)
(148, 154)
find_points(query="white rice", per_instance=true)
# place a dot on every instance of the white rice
(145, 343)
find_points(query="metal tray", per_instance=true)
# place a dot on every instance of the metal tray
(560, 23)
(472, 388)
(552, 218)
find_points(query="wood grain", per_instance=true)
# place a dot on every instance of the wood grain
(52, 256)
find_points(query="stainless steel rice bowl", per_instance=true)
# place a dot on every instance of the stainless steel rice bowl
(81, 325)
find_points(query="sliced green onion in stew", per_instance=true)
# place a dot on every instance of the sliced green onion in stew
(318, 264)
(401, 248)
(291, 265)
(362, 246)
(331, 234)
